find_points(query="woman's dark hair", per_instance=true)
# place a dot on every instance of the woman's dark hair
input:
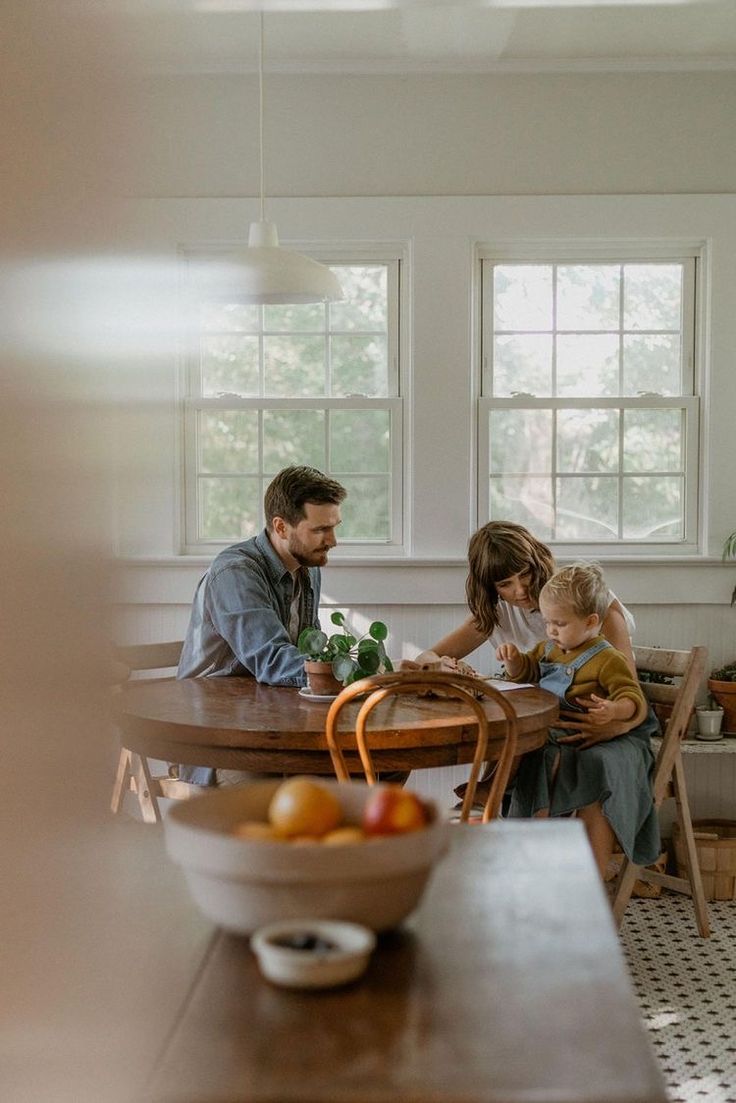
(292, 488)
(497, 551)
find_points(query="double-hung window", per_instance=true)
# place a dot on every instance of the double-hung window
(318, 384)
(589, 417)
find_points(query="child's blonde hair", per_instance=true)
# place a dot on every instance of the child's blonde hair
(582, 587)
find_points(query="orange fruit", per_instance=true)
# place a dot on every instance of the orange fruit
(301, 806)
(256, 829)
(344, 836)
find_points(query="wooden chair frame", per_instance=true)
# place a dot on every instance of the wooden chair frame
(133, 772)
(669, 773)
(459, 686)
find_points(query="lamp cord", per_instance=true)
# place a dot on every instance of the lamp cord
(260, 112)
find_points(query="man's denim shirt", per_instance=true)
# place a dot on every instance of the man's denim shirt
(239, 622)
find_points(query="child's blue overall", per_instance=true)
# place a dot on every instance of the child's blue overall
(558, 677)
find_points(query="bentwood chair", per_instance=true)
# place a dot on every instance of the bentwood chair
(684, 671)
(133, 771)
(469, 691)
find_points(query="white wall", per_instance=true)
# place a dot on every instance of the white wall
(476, 134)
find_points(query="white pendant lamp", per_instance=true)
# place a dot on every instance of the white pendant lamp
(264, 272)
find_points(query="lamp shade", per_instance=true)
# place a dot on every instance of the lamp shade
(264, 272)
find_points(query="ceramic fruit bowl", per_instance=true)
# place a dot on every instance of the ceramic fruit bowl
(245, 883)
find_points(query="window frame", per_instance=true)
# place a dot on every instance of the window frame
(689, 401)
(394, 257)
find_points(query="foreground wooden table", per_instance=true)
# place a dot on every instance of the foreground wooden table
(507, 986)
(237, 724)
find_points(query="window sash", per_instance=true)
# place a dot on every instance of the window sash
(688, 406)
(194, 402)
(560, 258)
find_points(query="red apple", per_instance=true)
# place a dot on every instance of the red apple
(391, 810)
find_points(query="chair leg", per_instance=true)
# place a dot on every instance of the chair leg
(623, 888)
(145, 790)
(686, 827)
(122, 777)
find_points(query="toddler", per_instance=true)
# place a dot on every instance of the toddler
(576, 661)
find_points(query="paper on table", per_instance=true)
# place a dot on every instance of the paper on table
(503, 686)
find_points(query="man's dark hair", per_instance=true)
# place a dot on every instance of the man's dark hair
(293, 487)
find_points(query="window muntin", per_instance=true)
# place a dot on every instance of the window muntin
(315, 384)
(588, 424)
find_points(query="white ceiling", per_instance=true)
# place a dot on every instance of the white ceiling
(384, 36)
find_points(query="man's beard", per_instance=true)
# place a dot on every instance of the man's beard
(315, 558)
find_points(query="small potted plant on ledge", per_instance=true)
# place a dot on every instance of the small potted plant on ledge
(332, 662)
(709, 720)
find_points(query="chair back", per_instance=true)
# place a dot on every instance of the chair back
(470, 691)
(149, 656)
(686, 670)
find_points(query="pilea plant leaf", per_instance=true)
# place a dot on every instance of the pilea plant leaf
(351, 658)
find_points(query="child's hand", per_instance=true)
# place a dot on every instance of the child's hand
(601, 710)
(507, 653)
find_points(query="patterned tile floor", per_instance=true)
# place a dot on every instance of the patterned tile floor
(686, 986)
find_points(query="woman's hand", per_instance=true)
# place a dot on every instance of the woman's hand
(425, 660)
(430, 660)
(592, 726)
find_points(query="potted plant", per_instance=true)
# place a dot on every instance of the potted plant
(729, 552)
(722, 688)
(335, 661)
(709, 720)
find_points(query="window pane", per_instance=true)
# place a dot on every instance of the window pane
(523, 363)
(653, 440)
(587, 364)
(653, 508)
(359, 366)
(230, 366)
(588, 296)
(587, 509)
(587, 440)
(294, 367)
(521, 440)
(652, 296)
(652, 362)
(228, 441)
(229, 508)
(522, 297)
(526, 500)
(230, 316)
(360, 440)
(366, 298)
(365, 511)
(294, 318)
(293, 436)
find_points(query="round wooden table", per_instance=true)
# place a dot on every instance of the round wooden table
(237, 724)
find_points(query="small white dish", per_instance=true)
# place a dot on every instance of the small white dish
(312, 953)
(304, 692)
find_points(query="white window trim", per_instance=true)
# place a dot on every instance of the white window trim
(399, 404)
(574, 251)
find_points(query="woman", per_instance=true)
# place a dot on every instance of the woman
(601, 772)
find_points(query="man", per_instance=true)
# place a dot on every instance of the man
(258, 595)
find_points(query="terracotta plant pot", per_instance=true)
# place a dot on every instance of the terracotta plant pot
(725, 694)
(321, 680)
